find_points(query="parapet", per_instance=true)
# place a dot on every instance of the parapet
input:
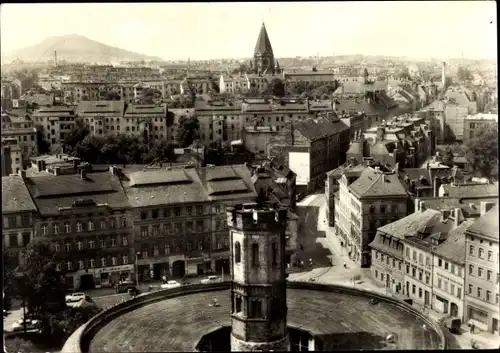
(257, 216)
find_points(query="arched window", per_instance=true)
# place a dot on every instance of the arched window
(275, 253)
(255, 254)
(237, 252)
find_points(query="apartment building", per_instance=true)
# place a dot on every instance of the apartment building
(472, 123)
(449, 273)
(372, 200)
(104, 117)
(56, 122)
(18, 216)
(147, 121)
(12, 157)
(482, 271)
(199, 85)
(85, 218)
(20, 128)
(388, 266)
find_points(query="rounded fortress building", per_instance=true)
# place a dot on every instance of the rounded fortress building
(258, 278)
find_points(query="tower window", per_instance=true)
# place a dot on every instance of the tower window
(237, 252)
(255, 254)
(255, 309)
(238, 304)
(275, 253)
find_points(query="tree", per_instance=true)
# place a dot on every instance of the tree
(112, 96)
(404, 74)
(448, 157)
(277, 87)
(42, 144)
(464, 74)
(79, 131)
(9, 277)
(188, 130)
(482, 150)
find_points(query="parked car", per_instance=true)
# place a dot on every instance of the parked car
(210, 279)
(75, 297)
(30, 325)
(170, 284)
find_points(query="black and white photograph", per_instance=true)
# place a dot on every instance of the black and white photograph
(238, 176)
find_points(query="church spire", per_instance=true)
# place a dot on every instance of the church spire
(263, 45)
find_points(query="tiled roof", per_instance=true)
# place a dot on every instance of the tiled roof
(320, 127)
(115, 108)
(453, 248)
(471, 191)
(51, 192)
(158, 176)
(220, 173)
(410, 225)
(135, 110)
(40, 99)
(487, 225)
(15, 195)
(228, 182)
(372, 184)
(167, 193)
(226, 187)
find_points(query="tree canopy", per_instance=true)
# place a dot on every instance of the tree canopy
(404, 73)
(9, 277)
(448, 157)
(42, 144)
(188, 130)
(112, 96)
(464, 74)
(277, 87)
(482, 150)
(79, 131)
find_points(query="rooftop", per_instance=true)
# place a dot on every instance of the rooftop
(471, 190)
(411, 224)
(114, 108)
(372, 183)
(15, 195)
(320, 127)
(483, 116)
(453, 248)
(487, 225)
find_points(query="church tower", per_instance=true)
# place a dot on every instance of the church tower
(258, 280)
(263, 56)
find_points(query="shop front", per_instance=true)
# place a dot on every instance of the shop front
(109, 276)
(197, 266)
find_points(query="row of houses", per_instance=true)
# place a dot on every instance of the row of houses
(108, 225)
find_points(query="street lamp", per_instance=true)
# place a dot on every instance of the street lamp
(137, 268)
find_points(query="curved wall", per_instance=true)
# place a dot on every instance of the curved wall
(79, 341)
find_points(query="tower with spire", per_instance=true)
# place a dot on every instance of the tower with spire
(263, 56)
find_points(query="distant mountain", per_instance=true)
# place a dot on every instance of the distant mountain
(74, 48)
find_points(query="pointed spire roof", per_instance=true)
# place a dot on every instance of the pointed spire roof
(263, 45)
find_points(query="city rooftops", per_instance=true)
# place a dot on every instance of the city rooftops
(140, 110)
(376, 183)
(486, 225)
(104, 108)
(453, 248)
(15, 195)
(483, 116)
(470, 190)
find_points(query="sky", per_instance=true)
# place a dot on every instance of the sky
(173, 31)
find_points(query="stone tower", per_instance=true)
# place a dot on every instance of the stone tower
(263, 56)
(258, 281)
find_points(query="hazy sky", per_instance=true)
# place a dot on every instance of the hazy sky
(224, 30)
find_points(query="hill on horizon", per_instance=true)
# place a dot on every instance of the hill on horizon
(74, 48)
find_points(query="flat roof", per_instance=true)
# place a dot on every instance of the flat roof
(342, 321)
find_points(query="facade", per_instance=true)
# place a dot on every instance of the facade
(258, 278)
(18, 216)
(147, 121)
(263, 58)
(21, 128)
(85, 218)
(104, 117)
(374, 199)
(12, 157)
(388, 252)
(56, 123)
(482, 271)
(472, 123)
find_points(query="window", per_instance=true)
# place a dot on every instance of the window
(393, 263)
(470, 288)
(199, 209)
(496, 298)
(58, 267)
(407, 269)
(125, 259)
(166, 229)
(372, 209)
(420, 292)
(56, 228)
(413, 289)
(471, 250)
(376, 274)
(489, 276)
(420, 274)
(479, 272)
(440, 263)
(452, 288)
(112, 223)
(439, 282)
(479, 292)
(68, 246)
(218, 244)
(421, 258)
(69, 265)
(255, 254)
(382, 276)
(57, 247)
(427, 261)
(155, 214)
(103, 224)
(103, 243)
(144, 215)
(167, 249)
(414, 255)
(113, 241)
(255, 308)
(124, 241)
(452, 270)
(189, 246)
(81, 265)
(427, 279)
(67, 227)
(124, 222)
(407, 252)
(177, 211)
(238, 303)
(274, 253)
(459, 292)
(45, 229)
(166, 213)
(79, 227)
(103, 261)
(189, 210)
(144, 232)
(79, 245)
(91, 225)
(490, 255)
(481, 253)
(488, 295)
(91, 263)
(382, 208)
(446, 265)
(217, 209)
(471, 269)
(91, 244)
(156, 230)
(414, 272)
(156, 251)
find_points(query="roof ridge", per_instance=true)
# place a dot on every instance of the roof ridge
(373, 184)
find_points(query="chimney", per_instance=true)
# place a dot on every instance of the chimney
(437, 185)
(458, 216)
(486, 206)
